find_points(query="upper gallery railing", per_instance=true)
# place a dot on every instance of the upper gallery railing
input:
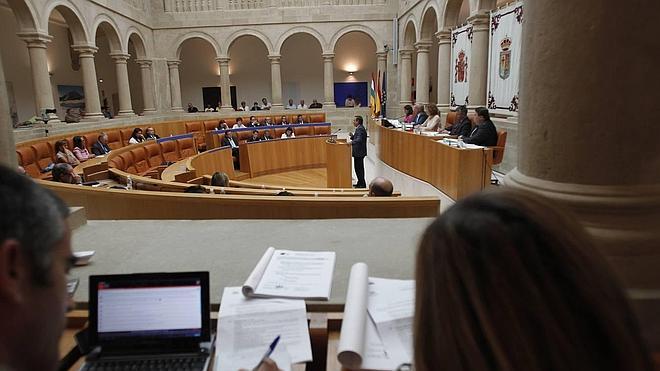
(186, 6)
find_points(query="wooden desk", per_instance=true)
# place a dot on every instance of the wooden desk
(338, 164)
(206, 163)
(456, 172)
(279, 155)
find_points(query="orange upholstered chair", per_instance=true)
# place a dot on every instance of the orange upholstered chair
(114, 139)
(125, 136)
(211, 125)
(317, 117)
(42, 155)
(90, 139)
(117, 163)
(451, 119)
(129, 166)
(140, 160)
(27, 160)
(322, 130)
(154, 156)
(186, 147)
(302, 130)
(169, 151)
(498, 152)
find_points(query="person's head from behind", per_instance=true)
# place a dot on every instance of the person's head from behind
(35, 256)
(482, 115)
(103, 138)
(357, 121)
(380, 187)
(504, 281)
(63, 173)
(461, 112)
(219, 179)
(432, 109)
(79, 142)
(137, 133)
(408, 110)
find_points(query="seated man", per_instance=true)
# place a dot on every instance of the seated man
(315, 104)
(380, 187)
(484, 133)
(302, 104)
(283, 121)
(230, 140)
(291, 105)
(254, 137)
(101, 148)
(268, 122)
(191, 108)
(243, 107)
(255, 107)
(222, 125)
(267, 135)
(150, 134)
(63, 173)
(299, 120)
(254, 121)
(265, 104)
(219, 179)
(35, 257)
(462, 125)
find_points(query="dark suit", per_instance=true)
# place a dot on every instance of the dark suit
(420, 118)
(359, 149)
(483, 135)
(267, 137)
(461, 128)
(99, 149)
(253, 140)
(234, 150)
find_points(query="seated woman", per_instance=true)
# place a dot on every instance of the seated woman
(505, 281)
(222, 125)
(408, 117)
(80, 149)
(63, 155)
(136, 137)
(288, 133)
(283, 121)
(432, 122)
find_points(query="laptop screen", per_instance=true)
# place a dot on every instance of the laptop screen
(163, 306)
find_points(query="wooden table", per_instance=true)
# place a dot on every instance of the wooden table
(279, 155)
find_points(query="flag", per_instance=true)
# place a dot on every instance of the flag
(383, 97)
(372, 97)
(379, 94)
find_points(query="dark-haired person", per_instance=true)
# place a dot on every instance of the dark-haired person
(101, 147)
(192, 109)
(136, 137)
(300, 120)
(484, 132)
(230, 140)
(291, 105)
(432, 122)
(238, 124)
(505, 281)
(80, 149)
(283, 121)
(265, 104)
(380, 187)
(408, 116)
(255, 107)
(358, 142)
(35, 257)
(267, 135)
(254, 137)
(462, 125)
(219, 179)
(267, 122)
(254, 122)
(315, 104)
(288, 133)
(63, 154)
(63, 173)
(151, 134)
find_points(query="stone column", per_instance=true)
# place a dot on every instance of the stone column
(573, 106)
(147, 86)
(329, 80)
(123, 87)
(444, 67)
(422, 80)
(90, 86)
(43, 91)
(275, 81)
(478, 69)
(225, 85)
(381, 57)
(7, 145)
(405, 60)
(175, 86)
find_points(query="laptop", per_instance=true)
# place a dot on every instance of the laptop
(149, 321)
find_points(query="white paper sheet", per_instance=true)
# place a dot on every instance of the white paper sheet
(246, 327)
(258, 271)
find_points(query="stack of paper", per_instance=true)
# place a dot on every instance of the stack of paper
(376, 332)
(246, 327)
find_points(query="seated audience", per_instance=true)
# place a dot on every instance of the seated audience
(35, 258)
(505, 281)
(302, 105)
(484, 132)
(291, 105)
(101, 148)
(462, 125)
(222, 125)
(63, 155)
(265, 104)
(358, 102)
(254, 121)
(315, 104)
(80, 149)
(243, 107)
(380, 187)
(432, 122)
(408, 116)
(106, 112)
(191, 108)
(349, 102)
(72, 115)
(267, 135)
(151, 134)
(419, 114)
(219, 179)
(231, 140)
(283, 121)
(299, 120)
(238, 124)
(254, 137)
(63, 173)
(136, 137)
(288, 133)
(208, 108)
(255, 107)
(268, 122)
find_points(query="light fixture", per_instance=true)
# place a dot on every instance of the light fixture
(350, 73)
(350, 67)
(101, 81)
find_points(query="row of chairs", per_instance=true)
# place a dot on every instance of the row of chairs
(152, 158)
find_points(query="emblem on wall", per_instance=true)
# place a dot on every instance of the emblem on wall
(460, 68)
(505, 58)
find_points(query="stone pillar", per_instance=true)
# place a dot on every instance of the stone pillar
(444, 67)
(422, 80)
(573, 106)
(329, 80)
(175, 86)
(90, 86)
(147, 86)
(405, 61)
(123, 87)
(381, 57)
(275, 81)
(43, 91)
(225, 85)
(478, 69)
(7, 145)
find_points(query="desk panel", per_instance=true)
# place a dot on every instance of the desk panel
(275, 156)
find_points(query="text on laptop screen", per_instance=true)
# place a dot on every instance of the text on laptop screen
(136, 309)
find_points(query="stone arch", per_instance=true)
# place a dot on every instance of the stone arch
(110, 30)
(135, 36)
(73, 18)
(451, 12)
(249, 32)
(303, 29)
(430, 22)
(477, 6)
(196, 35)
(26, 15)
(357, 28)
(410, 32)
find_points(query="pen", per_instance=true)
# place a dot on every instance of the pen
(270, 350)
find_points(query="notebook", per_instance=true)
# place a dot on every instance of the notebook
(149, 320)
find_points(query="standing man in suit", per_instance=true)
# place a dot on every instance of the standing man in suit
(484, 133)
(419, 116)
(358, 142)
(101, 148)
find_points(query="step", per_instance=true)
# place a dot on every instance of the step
(77, 217)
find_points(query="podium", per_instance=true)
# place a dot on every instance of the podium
(338, 165)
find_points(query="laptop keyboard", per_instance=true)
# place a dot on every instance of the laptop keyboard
(148, 364)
